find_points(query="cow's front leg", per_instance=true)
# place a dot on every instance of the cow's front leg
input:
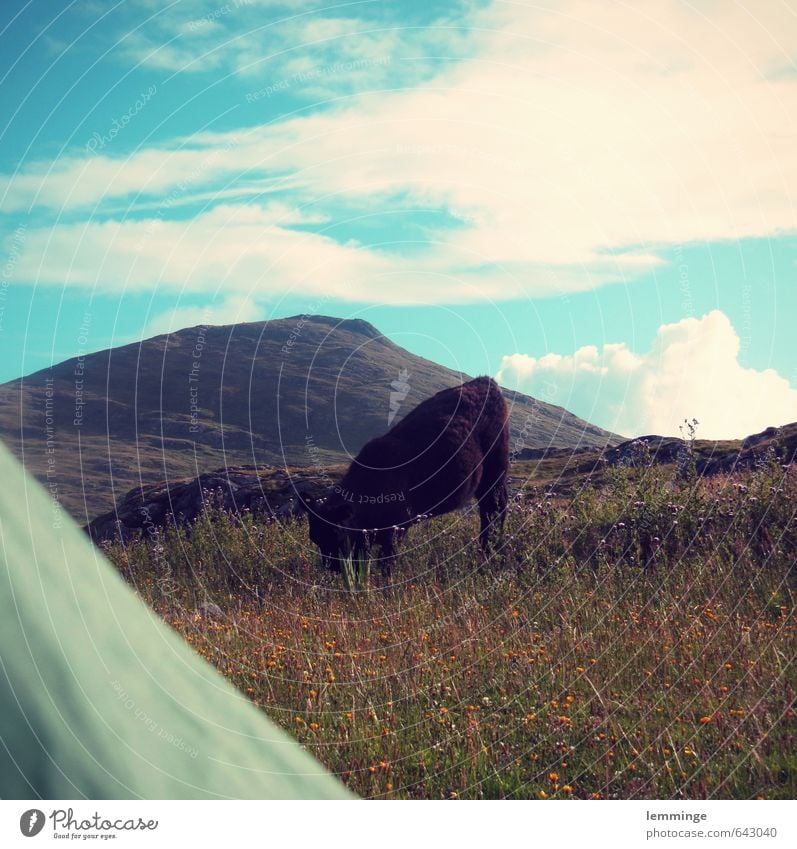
(388, 539)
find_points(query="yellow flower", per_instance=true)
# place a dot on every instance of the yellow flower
(567, 789)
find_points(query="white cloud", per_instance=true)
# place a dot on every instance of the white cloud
(574, 144)
(232, 309)
(240, 39)
(253, 249)
(691, 371)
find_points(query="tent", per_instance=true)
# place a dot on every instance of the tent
(99, 699)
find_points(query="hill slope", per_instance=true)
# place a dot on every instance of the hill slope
(307, 390)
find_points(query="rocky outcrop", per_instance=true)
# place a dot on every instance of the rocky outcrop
(711, 457)
(264, 490)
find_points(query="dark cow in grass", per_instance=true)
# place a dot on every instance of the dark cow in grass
(451, 448)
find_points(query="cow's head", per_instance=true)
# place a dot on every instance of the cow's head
(329, 530)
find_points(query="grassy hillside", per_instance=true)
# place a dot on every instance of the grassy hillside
(302, 391)
(635, 639)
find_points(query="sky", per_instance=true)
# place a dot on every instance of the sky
(593, 202)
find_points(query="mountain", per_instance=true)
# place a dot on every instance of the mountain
(304, 391)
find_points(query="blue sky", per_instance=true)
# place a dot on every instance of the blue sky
(592, 202)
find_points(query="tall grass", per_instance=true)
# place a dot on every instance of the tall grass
(634, 641)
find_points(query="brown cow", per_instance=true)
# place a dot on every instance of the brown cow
(451, 448)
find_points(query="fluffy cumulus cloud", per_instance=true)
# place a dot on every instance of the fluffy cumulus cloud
(691, 371)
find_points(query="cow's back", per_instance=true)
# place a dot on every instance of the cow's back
(432, 461)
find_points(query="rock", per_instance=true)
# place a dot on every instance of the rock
(210, 610)
(260, 490)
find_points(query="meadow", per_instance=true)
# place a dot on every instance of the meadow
(632, 639)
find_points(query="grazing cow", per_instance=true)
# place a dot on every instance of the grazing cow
(451, 448)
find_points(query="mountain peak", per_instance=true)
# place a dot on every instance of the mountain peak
(353, 325)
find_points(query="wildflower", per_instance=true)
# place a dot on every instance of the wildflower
(553, 776)
(567, 789)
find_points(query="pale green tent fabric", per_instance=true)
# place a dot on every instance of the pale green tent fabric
(99, 699)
